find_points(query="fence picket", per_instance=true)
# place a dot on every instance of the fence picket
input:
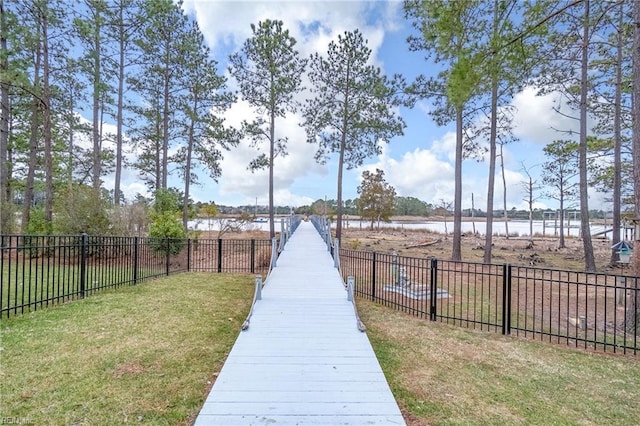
(38, 271)
(576, 308)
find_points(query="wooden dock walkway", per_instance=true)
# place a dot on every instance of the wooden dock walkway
(303, 359)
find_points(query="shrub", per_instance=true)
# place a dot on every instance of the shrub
(167, 234)
(82, 209)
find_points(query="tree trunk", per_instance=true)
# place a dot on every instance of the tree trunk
(530, 207)
(120, 106)
(343, 146)
(158, 154)
(97, 90)
(187, 171)
(456, 253)
(165, 119)
(71, 136)
(633, 306)
(272, 154)
(47, 124)
(473, 215)
(504, 194)
(589, 259)
(562, 242)
(617, 140)
(340, 168)
(636, 131)
(34, 138)
(5, 190)
(488, 239)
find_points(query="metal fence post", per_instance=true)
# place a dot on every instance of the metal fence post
(219, 255)
(168, 255)
(188, 254)
(336, 253)
(135, 260)
(506, 299)
(258, 287)
(350, 284)
(274, 252)
(253, 255)
(83, 263)
(327, 233)
(509, 285)
(433, 288)
(282, 234)
(373, 276)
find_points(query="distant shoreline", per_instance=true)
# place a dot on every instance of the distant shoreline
(422, 219)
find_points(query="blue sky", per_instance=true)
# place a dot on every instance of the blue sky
(418, 164)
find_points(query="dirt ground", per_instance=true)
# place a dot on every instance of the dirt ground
(523, 251)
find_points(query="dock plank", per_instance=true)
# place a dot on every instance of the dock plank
(302, 360)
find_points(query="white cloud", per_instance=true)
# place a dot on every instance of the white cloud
(535, 119)
(445, 147)
(424, 174)
(418, 173)
(314, 24)
(238, 180)
(226, 24)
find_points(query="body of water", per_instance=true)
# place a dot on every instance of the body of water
(516, 227)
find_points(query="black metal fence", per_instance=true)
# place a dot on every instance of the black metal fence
(39, 271)
(587, 310)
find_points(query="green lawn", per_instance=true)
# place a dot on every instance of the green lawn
(33, 285)
(148, 354)
(443, 374)
(145, 353)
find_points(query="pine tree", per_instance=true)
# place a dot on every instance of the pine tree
(158, 82)
(611, 106)
(353, 108)
(205, 134)
(633, 307)
(124, 22)
(90, 27)
(575, 30)
(450, 32)
(269, 70)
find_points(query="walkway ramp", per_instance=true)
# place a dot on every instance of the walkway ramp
(302, 360)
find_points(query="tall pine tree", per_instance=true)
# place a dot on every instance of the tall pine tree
(353, 108)
(450, 33)
(269, 71)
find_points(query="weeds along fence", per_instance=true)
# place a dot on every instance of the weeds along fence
(587, 310)
(39, 271)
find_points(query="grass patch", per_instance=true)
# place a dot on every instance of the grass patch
(442, 374)
(145, 353)
(31, 285)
